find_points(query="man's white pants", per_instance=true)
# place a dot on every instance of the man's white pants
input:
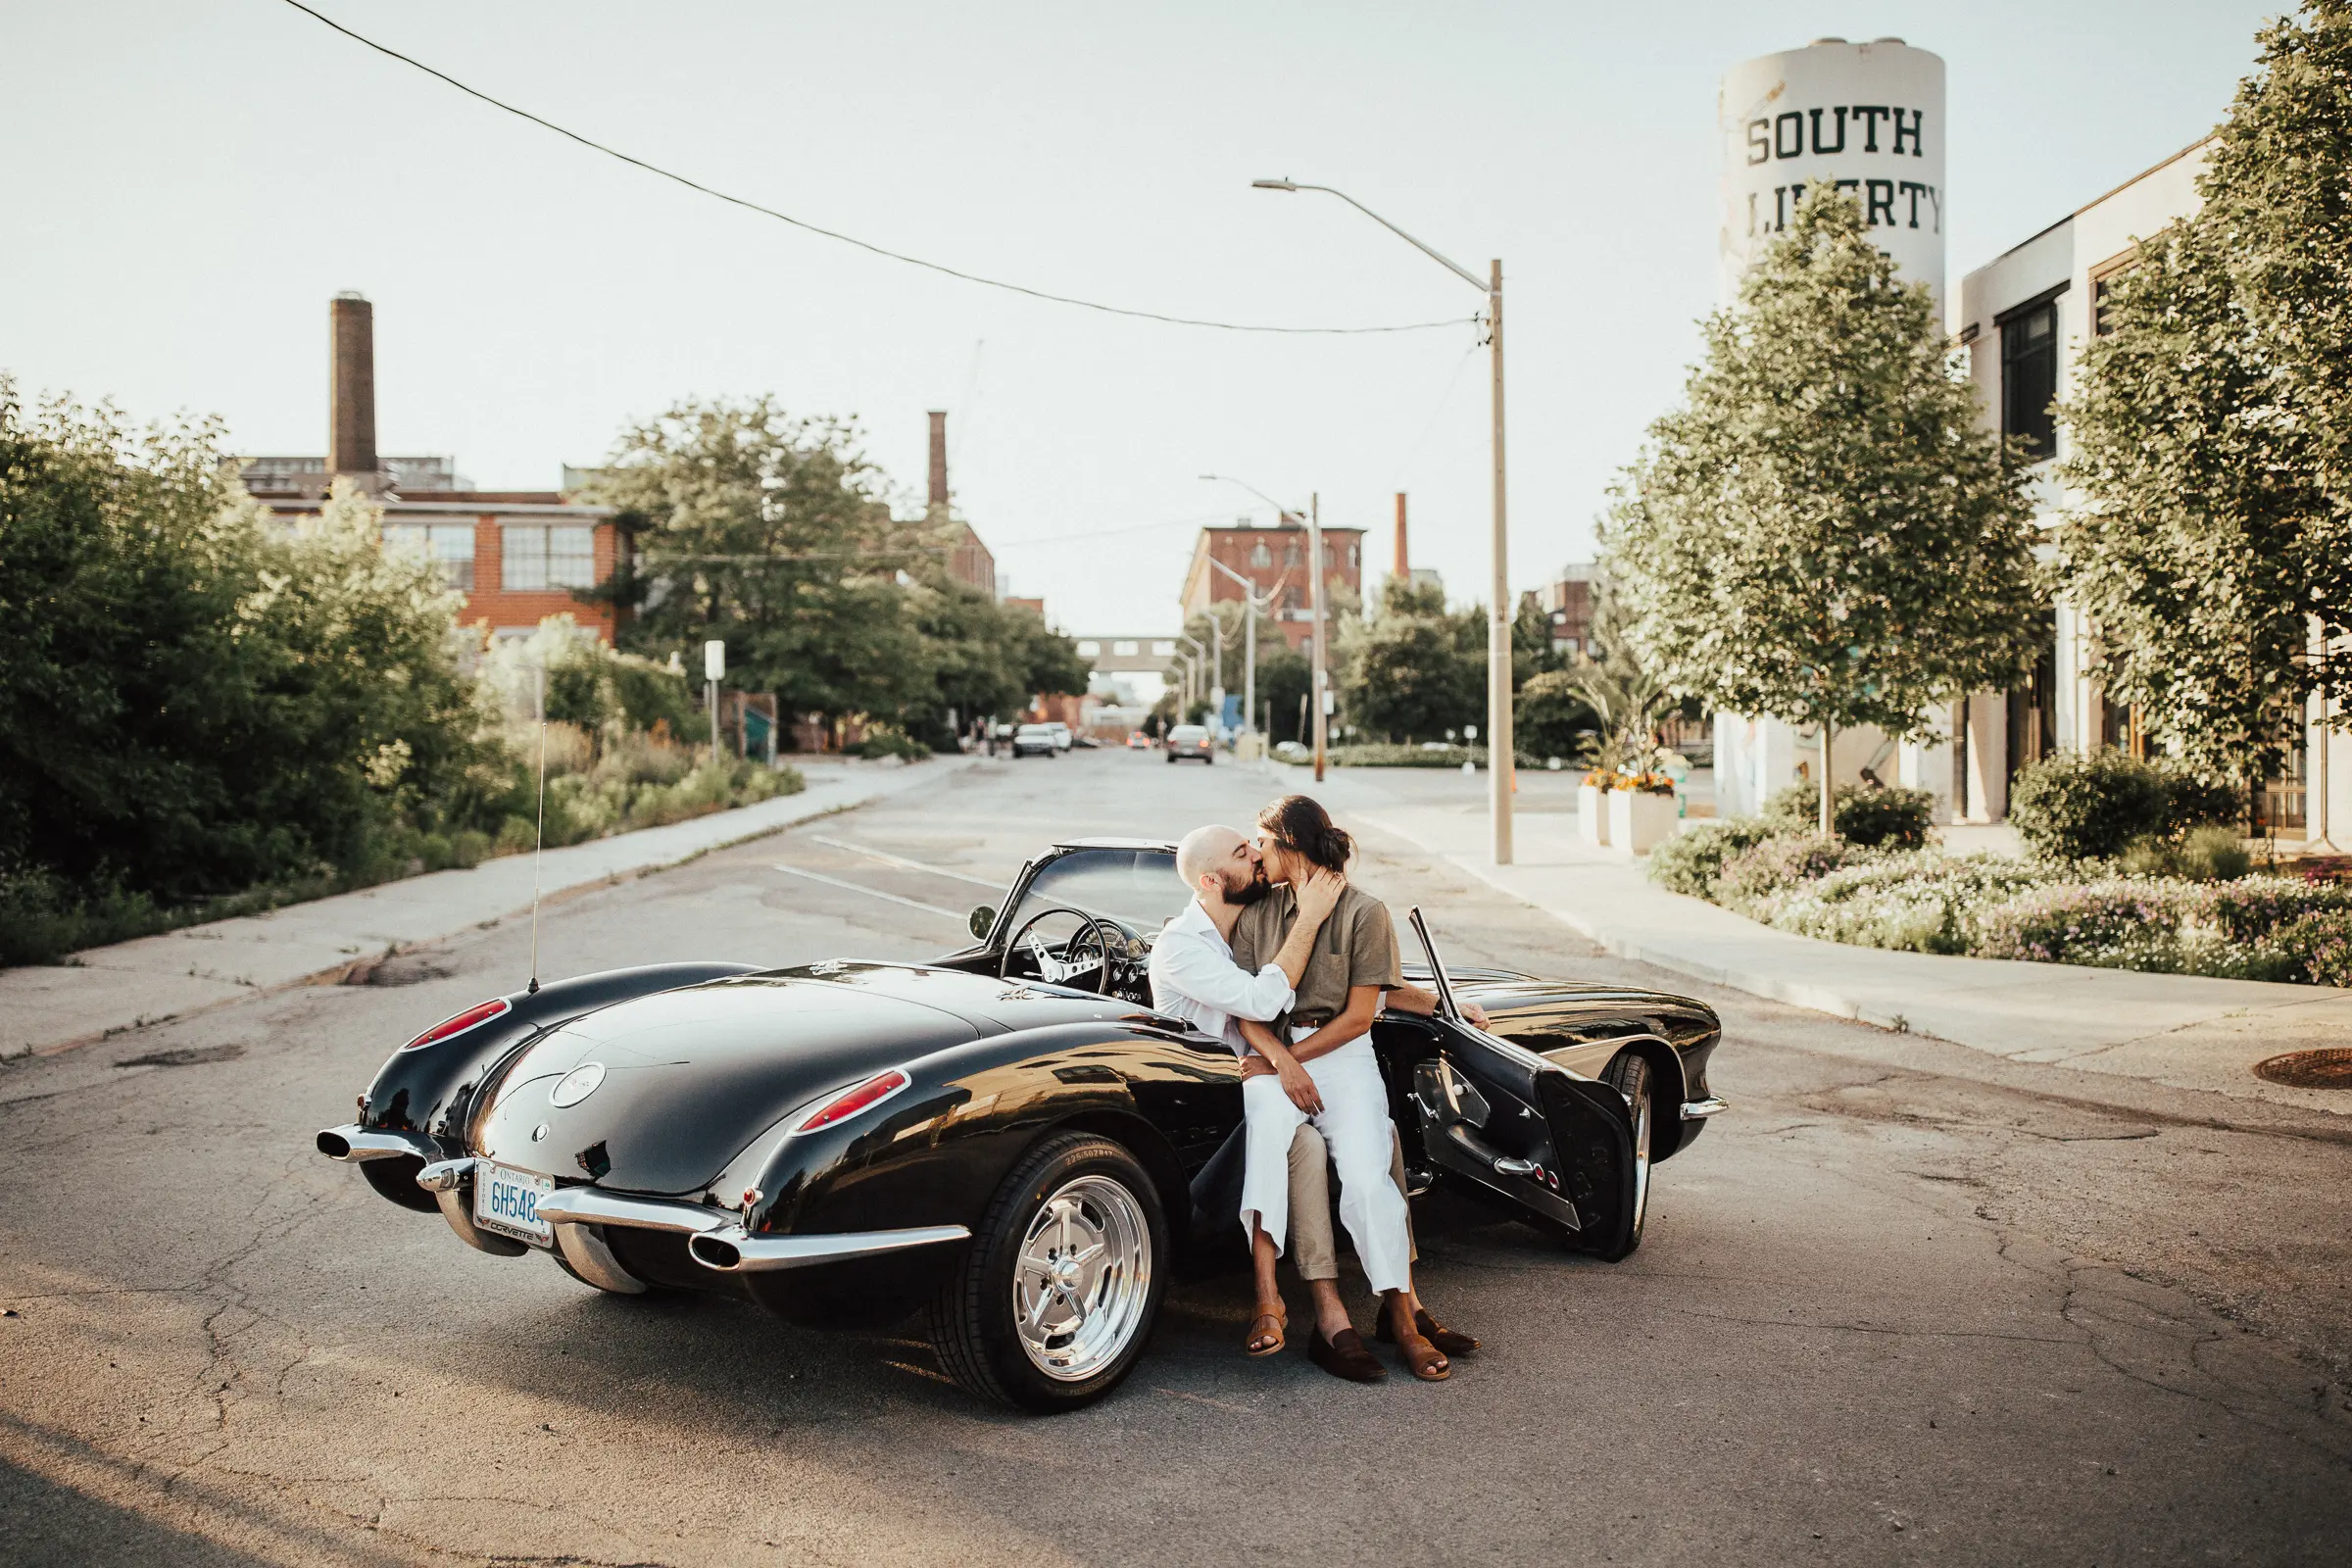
(1354, 1122)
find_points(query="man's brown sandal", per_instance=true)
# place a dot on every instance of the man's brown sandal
(1451, 1341)
(1260, 1343)
(1423, 1359)
(1344, 1355)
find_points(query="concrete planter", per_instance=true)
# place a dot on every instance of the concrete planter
(1593, 814)
(1639, 820)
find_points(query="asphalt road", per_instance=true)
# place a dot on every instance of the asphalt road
(1902, 1303)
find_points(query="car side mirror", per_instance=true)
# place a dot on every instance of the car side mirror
(983, 921)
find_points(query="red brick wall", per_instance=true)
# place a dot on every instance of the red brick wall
(495, 606)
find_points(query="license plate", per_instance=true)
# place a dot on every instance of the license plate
(507, 1202)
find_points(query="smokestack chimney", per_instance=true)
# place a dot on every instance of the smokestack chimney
(1404, 561)
(939, 459)
(351, 388)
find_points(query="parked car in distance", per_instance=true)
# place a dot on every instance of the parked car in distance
(1137, 741)
(1034, 740)
(1063, 738)
(1293, 752)
(1192, 740)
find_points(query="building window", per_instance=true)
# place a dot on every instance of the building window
(2029, 381)
(1290, 553)
(447, 545)
(544, 556)
(1260, 556)
(1351, 556)
(1163, 650)
(1123, 649)
(1089, 649)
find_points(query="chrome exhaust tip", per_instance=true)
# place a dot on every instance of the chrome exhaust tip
(355, 1145)
(714, 1251)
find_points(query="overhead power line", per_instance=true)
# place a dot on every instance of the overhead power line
(851, 239)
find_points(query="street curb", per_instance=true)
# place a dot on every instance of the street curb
(346, 970)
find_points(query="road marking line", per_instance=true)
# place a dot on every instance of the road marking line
(872, 893)
(899, 859)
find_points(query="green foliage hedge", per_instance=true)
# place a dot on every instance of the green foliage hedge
(1872, 816)
(2094, 805)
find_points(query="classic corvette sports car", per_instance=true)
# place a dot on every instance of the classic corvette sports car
(1008, 1138)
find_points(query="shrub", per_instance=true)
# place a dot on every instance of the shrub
(1691, 861)
(2251, 908)
(1918, 902)
(882, 741)
(2318, 947)
(1872, 816)
(2091, 806)
(2204, 855)
(2115, 922)
(1752, 880)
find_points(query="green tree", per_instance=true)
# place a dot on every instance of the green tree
(771, 532)
(1416, 669)
(195, 699)
(1824, 532)
(2211, 436)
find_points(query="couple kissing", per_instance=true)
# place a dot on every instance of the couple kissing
(1280, 956)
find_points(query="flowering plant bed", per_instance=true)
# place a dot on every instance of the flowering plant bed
(2260, 927)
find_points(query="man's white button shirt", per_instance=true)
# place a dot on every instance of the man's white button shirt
(1194, 978)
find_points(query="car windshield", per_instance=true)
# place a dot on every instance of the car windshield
(1035, 729)
(1136, 887)
(1186, 732)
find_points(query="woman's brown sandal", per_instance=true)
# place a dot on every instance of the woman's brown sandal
(1451, 1341)
(1266, 1344)
(1423, 1359)
(1344, 1355)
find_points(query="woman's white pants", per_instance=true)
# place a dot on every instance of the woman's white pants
(1354, 1122)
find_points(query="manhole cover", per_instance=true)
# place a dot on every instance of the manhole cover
(2331, 1068)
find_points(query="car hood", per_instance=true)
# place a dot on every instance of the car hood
(691, 1076)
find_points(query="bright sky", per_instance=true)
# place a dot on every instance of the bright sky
(192, 180)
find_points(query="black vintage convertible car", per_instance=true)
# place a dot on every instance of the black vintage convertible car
(1008, 1138)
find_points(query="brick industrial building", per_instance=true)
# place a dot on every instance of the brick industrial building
(1274, 560)
(515, 555)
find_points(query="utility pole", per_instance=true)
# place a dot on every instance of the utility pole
(1502, 756)
(1501, 779)
(1321, 686)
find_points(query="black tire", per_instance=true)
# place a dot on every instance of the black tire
(1630, 1076)
(1171, 759)
(972, 1320)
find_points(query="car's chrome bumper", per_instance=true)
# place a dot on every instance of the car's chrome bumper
(1702, 1109)
(714, 1238)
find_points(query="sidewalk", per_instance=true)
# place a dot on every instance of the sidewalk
(108, 990)
(2185, 1031)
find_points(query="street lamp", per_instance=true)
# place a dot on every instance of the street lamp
(1314, 582)
(1199, 662)
(1251, 608)
(1499, 774)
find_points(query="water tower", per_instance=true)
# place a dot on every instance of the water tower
(1866, 115)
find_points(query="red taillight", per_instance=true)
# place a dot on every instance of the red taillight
(460, 1023)
(864, 1096)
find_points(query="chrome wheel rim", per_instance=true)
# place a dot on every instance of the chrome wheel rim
(1083, 1277)
(1642, 1156)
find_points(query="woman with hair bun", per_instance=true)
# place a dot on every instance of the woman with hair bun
(1316, 1065)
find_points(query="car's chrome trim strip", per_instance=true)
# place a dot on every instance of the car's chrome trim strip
(353, 1144)
(586, 1205)
(734, 1250)
(1702, 1109)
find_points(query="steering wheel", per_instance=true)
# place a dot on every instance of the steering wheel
(1102, 934)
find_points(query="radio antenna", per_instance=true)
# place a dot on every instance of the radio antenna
(539, 837)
